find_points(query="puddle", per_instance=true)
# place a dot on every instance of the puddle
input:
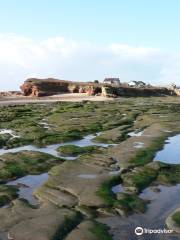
(135, 133)
(45, 124)
(8, 131)
(51, 149)
(171, 151)
(115, 172)
(161, 201)
(166, 131)
(138, 144)
(161, 205)
(28, 184)
(87, 176)
(117, 189)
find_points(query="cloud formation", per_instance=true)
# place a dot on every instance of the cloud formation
(22, 57)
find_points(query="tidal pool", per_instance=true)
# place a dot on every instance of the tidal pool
(52, 149)
(170, 152)
(8, 131)
(135, 133)
(138, 144)
(161, 205)
(87, 176)
(28, 184)
(117, 188)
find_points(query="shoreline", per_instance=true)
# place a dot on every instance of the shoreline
(70, 97)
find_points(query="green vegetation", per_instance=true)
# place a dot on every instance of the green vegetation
(72, 150)
(115, 135)
(127, 202)
(7, 193)
(101, 231)
(26, 162)
(169, 174)
(131, 203)
(105, 190)
(67, 121)
(69, 224)
(146, 155)
(176, 217)
(140, 178)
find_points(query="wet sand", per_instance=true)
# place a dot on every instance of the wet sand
(70, 97)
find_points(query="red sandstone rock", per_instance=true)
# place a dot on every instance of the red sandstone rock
(50, 86)
(46, 87)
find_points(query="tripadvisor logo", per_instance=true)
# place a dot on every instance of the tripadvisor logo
(139, 231)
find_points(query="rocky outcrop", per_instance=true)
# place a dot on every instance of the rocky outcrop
(46, 87)
(50, 86)
(171, 224)
(10, 94)
(124, 91)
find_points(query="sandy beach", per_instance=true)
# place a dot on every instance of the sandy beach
(70, 97)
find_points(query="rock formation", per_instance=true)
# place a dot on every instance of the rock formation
(10, 94)
(125, 91)
(46, 87)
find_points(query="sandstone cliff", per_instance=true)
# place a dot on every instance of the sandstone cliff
(50, 86)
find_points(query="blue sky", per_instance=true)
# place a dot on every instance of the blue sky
(148, 26)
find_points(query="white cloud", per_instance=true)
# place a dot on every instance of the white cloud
(62, 58)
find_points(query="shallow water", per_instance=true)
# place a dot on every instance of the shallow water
(8, 131)
(154, 218)
(28, 184)
(115, 172)
(170, 152)
(52, 149)
(135, 133)
(87, 176)
(138, 144)
(117, 188)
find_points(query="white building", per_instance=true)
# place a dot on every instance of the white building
(136, 84)
(115, 81)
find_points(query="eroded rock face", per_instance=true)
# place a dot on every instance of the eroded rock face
(10, 94)
(124, 91)
(50, 86)
(43, 87)
(46, 87)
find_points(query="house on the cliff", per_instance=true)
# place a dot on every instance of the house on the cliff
(136, 84)
(114, 81)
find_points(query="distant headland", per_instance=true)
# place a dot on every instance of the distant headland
(110, 87)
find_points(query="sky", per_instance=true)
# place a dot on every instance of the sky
(84, 40)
